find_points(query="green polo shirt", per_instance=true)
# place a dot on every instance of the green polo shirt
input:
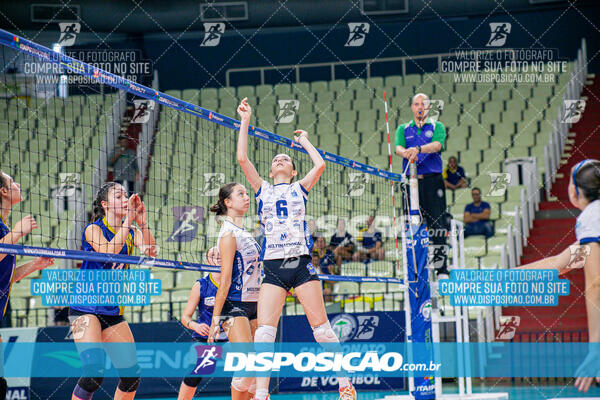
(439, 133)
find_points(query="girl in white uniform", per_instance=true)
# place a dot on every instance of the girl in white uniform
(287, 244)
(584, 194)
(239, 283)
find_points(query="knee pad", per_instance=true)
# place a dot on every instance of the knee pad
(241, 384)
(324, 333)
(192, 381)
(92, 362)
(86, 387)
(129, 378)
(129, 385)
(265, 333)
(3, 387)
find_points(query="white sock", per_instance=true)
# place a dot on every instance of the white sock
(343, 382)
(261, 394)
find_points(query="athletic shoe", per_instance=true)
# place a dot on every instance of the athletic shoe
(348, 393)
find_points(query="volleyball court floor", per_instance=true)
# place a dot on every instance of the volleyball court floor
(533, 392)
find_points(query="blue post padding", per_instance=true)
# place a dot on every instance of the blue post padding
(420, 305)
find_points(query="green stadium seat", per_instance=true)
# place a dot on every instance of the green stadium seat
(412, 80)
(337, 85)
(394, 81)
(282, 90)
(495, 245)
(341, 288)
(490, 261)
(166, 277)
(508, 208)
(501, 225)
(501, 93)
(513, 193)
(372, 288)
(457, 211)
(355, 83)
(519, 151)
(475, 246)
(302, 90)
(319, 87)
(245, 91)
(387, 305)
(381, 269)
(353, 269)
(375, 82)
(460, 97)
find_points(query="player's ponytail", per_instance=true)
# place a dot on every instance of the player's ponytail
(588, 179)
(101, 195)
(225, 192)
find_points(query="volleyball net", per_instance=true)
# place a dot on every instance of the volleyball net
(68, 127)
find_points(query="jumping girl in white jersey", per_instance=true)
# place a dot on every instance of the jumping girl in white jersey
(584, 194)
(286, 247)
(239, 283)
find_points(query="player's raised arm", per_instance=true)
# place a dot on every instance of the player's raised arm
(144, 239)
(254, 179)
(312, 177)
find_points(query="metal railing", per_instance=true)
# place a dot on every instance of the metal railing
(366, 61)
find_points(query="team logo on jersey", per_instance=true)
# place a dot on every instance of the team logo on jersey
(573, 111)
(357, 183)
(142, 111)
(294, 193)
(187, 219)
(579, 254)
(212, 33)
(209, 301)
(508, 327)
(287, 111)
(344, 326)
(499, 34)
(435, 108)
(68, 33)
(212, 182)
(283, 236)
(358, 33)
(69, 183)
(499, 183)
(207, 359)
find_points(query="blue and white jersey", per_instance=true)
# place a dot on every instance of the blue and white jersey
(587, 229)
(282, 214)
(247, 269)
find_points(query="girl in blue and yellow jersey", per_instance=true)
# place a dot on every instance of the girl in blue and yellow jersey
(10, 194)
(111, 231)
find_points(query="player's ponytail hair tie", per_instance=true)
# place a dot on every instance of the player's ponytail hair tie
(225, 192)
(101, 195)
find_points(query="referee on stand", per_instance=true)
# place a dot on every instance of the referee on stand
(422, 140)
